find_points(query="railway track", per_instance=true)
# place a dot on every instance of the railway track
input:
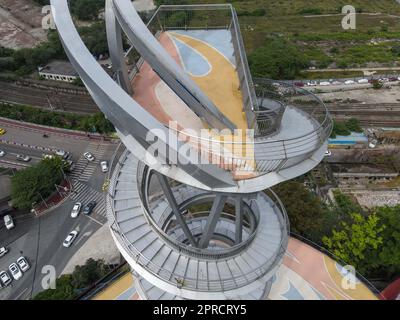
(47, 99)
(382, 115)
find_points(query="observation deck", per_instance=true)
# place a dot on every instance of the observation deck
(185, 203)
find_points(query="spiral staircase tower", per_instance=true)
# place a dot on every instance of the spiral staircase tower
(189, 229)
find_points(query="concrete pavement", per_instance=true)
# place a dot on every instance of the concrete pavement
(40, 239)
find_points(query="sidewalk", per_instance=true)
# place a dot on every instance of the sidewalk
(100, 245)
(54, 200)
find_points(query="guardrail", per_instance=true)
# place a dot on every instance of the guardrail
(264, 154)
(174, 279)
(181, 247)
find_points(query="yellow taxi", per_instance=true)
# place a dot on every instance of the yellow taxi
(2, 131)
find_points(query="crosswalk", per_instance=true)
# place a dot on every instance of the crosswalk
(84, 169)
(84, 194)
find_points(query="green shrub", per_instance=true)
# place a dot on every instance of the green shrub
(310, 11)
(277, 59)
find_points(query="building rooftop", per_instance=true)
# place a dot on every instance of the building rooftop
(59, 67)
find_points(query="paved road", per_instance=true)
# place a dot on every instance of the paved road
(11, 152)
(40, 239)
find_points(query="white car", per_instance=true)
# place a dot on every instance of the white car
(76, 209)
(373, 143)
(48, 156)
(61, 153)
(88, 156)
(328, 153)
(70, 238)
(23, 264)
(347, 82)
(15, 271)
(336, 83)
(3, 251)
(24, 158)
(311, 83)
(8, 222)
(2, 153)
(362, 81)
(104, 166)
(324, 83)
(5, 278)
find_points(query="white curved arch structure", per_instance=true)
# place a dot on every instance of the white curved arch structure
(189, 229)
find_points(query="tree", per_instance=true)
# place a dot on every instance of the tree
(89, 273)
(64, 290)
(86, 9)
(34, 183)
(353, 125)
(356, 243)
(304, 209)
(68, 286)
(388, 256)
(376, 84)
(277, 59)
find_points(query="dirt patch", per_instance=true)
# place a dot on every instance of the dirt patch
(367, 96)
(21, 24)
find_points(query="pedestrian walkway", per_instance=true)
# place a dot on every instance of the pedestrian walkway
(84, 194)
(84, 169)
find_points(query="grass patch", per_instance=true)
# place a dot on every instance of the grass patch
(88, 123)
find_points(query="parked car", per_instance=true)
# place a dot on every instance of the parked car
(299, 84)
(2, 153)
(311, 83)
(362, 81)
(23, 264)
(15, 271)
(24, 158)
(373, 143)
(88, 156)
(70, 238)
(76, 209)
(5, 278)
(324, 83)
(104, 166)
(391, 79)
(61, 153)
(47, 156)
(71, 165)
(8, 222)
(347, 82)
(2, 131)
(3, 251)
(336, 83)
(89, 207)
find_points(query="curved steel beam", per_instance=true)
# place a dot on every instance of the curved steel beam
(166, 67)
(130, 119)
(115, 47)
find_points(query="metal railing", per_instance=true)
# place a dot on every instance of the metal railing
(263, 154)
(242, 66)
(187, 282)
(182, 247)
